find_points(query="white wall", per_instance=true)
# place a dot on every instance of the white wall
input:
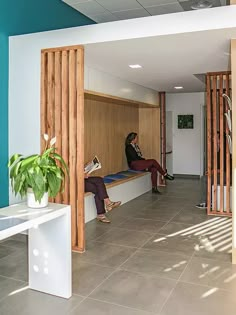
(187, 143)
(105, 83)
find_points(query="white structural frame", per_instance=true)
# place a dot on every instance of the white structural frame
(49, 241)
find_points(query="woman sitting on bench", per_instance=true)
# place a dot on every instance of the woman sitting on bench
(138, 163)
(96, 185)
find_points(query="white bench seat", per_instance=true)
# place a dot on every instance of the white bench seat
(124, 189)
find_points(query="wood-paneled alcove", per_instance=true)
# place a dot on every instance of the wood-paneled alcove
(89, 123)
(108, 120)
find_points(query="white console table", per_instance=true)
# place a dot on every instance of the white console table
(49, 240)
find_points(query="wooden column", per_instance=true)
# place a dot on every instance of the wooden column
(62, 115)
(233, 78)
(209, 158)
(162, 102)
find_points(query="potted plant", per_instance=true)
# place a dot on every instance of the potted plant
(38, 176)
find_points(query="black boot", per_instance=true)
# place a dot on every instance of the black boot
(155, 190)
(169, 177)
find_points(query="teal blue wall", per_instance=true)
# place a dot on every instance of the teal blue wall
(30, 16)
(3, 119)
(23, 17)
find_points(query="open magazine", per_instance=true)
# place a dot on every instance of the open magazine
(92, 166)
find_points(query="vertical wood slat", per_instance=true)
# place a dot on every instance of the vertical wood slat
(162, 181)
(214, 125)
(209, 155)
(43, 100)
(65, 119)
(164, 131)
(80, 149)
(228, 164)
(221, 148)
(58, 107)
(50, 96)
(72, 141)
(62, 114)
(50, 99)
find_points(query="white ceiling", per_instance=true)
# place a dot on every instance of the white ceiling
(113, 10)
(167, 61)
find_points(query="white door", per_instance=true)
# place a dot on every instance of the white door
(169, 142)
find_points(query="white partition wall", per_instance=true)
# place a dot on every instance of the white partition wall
(186, 142)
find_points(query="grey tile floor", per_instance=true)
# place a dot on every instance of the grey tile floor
(160, 255)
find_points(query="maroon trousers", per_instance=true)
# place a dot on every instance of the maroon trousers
(96, 185)
(152, 165)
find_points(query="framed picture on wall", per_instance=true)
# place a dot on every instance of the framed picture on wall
(185, 121)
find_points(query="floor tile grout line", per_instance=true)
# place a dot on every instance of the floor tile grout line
(6, 296)
(147, 241)
(124, 306)
(177, 281)
(160, 276)
(102, 282)
(18, 280)
(183, 256)
(115, 270)
(117, 244)
(167, 298)
(204, 285)
(190, 260)
(116, 227)
(73, 308)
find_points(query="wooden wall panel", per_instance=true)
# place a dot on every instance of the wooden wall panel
(149, 132)
(106, 127)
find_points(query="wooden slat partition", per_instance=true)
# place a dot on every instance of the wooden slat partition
(162, 101)
(228, 157)
(62, 115)
(218, 155)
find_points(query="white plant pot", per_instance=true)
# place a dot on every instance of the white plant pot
(32, 203)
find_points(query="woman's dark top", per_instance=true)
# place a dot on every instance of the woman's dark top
(131, 154)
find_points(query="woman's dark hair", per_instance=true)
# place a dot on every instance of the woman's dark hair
(131, 136)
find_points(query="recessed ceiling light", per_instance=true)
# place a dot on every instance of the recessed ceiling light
(135, 66)
(201, 4)
(178, 87)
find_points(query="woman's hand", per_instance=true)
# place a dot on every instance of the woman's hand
(86, 175)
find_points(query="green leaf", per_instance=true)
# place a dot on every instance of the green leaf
(54, 184)
(13, 158)
(45, 172)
